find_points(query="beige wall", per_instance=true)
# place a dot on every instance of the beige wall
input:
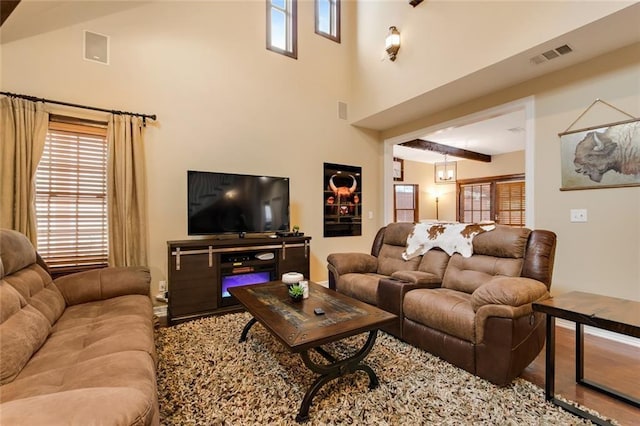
(442, 41)
(603, 255)
(227, 104)
(224, 103)
(422, 174)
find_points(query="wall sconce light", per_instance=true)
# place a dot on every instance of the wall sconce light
(392, 43)
(414, 3)
(445, 172)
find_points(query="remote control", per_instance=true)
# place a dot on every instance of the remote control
(318, 311)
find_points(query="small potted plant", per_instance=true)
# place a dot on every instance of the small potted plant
(295, 229)
(296, 292)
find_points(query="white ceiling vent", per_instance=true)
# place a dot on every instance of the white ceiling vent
(551, 54)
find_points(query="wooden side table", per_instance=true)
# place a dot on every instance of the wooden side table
(607, 313)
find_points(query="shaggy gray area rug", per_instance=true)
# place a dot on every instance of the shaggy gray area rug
(207, 377)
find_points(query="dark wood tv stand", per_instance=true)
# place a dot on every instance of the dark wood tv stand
(197, 268)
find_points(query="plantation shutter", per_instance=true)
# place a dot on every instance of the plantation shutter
(510, 203)
(71, 202)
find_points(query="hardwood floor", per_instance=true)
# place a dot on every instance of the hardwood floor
(609, 363)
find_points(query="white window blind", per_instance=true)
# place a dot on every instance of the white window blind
(71, 196)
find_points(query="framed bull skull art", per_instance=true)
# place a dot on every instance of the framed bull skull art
(342, 199)
(605, 156)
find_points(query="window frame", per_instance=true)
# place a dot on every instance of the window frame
(57, 195)
(291, 14)
(334, 20)
(415, 200)
(492, 181)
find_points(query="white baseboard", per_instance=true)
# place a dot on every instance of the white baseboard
(616, 337)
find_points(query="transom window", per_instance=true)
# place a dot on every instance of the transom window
(282, 23)
(328, 19)
(71, 196)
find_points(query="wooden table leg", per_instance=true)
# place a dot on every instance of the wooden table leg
(550, 360)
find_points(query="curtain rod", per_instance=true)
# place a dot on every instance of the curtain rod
(49, 101)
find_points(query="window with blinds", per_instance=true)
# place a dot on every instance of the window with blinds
(501, 199)
(71, 196)
(510, 203)
(405, 203)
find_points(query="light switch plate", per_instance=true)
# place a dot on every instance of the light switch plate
(578, 215)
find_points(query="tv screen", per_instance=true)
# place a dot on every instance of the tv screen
(220, 203)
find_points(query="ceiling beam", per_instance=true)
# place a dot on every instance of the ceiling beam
(446, 149)
(6, 7)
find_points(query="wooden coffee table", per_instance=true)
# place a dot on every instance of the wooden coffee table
(608, 313)
(297, 326)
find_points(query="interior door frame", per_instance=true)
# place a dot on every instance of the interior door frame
(527, 104)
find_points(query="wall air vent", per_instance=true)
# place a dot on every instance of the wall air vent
(551, 54)
(96, 47)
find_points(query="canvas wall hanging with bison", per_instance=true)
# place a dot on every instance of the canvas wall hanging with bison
(601, 157)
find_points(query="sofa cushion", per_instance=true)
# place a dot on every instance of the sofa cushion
(35, 286)
(131, 372)
(22, 332)
(88, 406)
(508, 291)
(93, 330)
(396, 233)
(390, 260)
(16, 251)
(363, 287)
(434, 261)
(442, 309)
(503, 241)
(467, 274)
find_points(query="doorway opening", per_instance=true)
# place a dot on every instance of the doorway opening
(505, 135)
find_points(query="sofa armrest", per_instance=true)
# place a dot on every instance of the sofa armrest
(345, 263)
(425, 279)
(391, 293)
(510, 291)
(100, 284)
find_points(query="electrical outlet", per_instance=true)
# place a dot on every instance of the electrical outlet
(162, 286)
(578, 215)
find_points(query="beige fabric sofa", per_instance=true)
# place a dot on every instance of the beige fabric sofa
(474, 312)
(75, 351)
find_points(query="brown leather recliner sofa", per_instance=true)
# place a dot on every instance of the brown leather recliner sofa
(473, 312)
(78, 350)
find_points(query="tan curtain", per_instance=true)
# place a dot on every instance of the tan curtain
(126, 192)
(23, 130)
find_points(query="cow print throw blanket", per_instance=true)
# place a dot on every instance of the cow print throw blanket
(450, 237)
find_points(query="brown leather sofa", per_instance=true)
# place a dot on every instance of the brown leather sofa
(473, 312)
(78, 350)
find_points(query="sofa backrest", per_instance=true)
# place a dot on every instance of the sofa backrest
(540, 256)
(497, 252)
(29, 303)
(391, 245)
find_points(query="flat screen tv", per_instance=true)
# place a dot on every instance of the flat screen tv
(223, 203)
